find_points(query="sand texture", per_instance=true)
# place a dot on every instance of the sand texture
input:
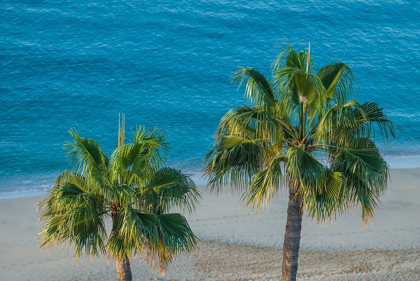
(238, 245)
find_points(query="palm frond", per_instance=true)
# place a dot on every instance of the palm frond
(155, 140)
(167, 189)
(258, 88)
(137, 162)
(369, 113)
(265, 184)
(302, 88)
(233, 161)
(290, 58)
(327, 202)
(73, 215)
(341, 124)
(177, 234)
(132, 231)
(174, 236)
(86, 154)
(255, 122)
(337, 79)
(130, 163)
(304, 171)
(366, 174)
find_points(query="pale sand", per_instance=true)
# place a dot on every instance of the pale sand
(343, 250)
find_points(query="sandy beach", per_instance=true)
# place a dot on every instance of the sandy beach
(238, 245)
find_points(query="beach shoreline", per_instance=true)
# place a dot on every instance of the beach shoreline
(394, 162)
(240, 245)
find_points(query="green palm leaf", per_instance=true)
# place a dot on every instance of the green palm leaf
(170, 188)
(86, 154)
(233, 161)
(258, 88)
(265, 183)
(337, 79)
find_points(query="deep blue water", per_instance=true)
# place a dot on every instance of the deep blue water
(76, 64)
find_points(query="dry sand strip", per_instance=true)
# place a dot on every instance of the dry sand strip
(221, 261)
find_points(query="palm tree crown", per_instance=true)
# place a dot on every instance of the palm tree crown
(133, 188)
(299, 114)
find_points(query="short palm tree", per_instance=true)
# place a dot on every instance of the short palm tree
(301, 132)
(134, 190)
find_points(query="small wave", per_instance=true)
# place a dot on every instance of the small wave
(7, 195)
(404, 114)
(40, 188)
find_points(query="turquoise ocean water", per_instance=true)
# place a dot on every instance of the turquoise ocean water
(76, 64)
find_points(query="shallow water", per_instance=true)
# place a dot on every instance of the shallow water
(76, 64)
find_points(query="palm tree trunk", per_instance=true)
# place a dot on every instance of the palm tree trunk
(122, 264)
(123, 269)
(292, 237)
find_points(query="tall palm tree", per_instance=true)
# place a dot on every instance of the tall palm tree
(134, 190)
(301, 132)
